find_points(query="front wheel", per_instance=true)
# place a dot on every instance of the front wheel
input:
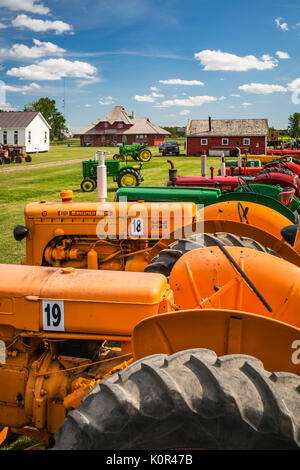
(188, 400)
(28, 158)
(88, 185)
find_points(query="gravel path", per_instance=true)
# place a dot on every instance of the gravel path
(23, 166)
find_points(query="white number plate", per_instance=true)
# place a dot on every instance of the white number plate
(137, 227)
(53, 315)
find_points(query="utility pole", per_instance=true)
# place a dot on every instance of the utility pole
(64, 98)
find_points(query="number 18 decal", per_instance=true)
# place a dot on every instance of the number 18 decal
(53, 315)
(137, 227)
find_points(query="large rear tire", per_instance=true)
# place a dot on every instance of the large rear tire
(145, 155)
(129, 177)
(191, 399)
(275, 169)
(164, 262)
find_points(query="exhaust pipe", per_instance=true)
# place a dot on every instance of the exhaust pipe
(203, 164)
(172, 173)
(101, 175)
(223, 166)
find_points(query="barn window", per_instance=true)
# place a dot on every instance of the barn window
(29, 137)
(16, 137)
(225, 141)
(124, 139)
(103, 138)
(120, 125)
(45, 137)
(203, 141)
(246, 141)
(105, 124)
(5, 137)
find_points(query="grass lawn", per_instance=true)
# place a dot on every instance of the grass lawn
(20, 187)
(59, 152)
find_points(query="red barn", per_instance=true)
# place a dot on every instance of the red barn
(118, 127)
(215, 136)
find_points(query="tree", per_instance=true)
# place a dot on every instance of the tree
(294, 125)
(51, 114)
(175, 131)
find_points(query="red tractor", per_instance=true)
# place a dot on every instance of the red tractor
(13, 154)
(273, 176)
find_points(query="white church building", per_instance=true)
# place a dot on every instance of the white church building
(28, 129)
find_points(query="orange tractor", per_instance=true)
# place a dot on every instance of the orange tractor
(152, 342)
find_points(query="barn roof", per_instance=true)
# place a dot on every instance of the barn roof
(17, 118)
(144, 126)
(118, 114)
(228, 127)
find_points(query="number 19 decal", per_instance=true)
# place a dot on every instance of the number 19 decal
(53, 315)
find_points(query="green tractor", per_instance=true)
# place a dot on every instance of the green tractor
(264, 194)
(124, 175)
(138, 152)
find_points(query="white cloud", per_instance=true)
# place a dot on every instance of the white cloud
(235, 95)
(107, 100)
(7, 107)
(87, 105)
(184, 112)
(24, 21)
(190, 101)
(88, 81)
(21, 89)
(54, 69)
(25, 5)
(2, 25)
(294, 85)
(144, 98)
(262, 88)
(246, 105)
(154, 88)
(178, 81)
(218, 60)
(282, 55)
(283, 26)
(40, 49)
(157, 95)
(148, 98)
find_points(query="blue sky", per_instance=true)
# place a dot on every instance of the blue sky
(170, 61)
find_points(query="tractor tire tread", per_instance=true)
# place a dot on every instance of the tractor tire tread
(190, 399)
(164, 262)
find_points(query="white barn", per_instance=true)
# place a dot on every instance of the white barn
(28, 129)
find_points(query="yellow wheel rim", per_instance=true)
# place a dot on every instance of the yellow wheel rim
(145, 155)
(128, 180)
(87, 186)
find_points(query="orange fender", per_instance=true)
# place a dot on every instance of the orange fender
(257, 215)
(206, 278)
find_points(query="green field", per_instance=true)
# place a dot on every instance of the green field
(23, 186)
